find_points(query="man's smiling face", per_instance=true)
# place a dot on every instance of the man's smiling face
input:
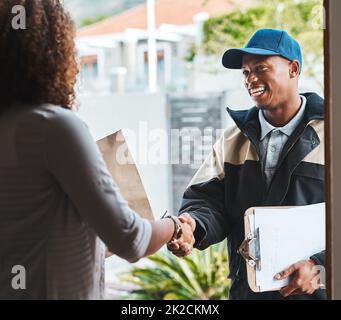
(269, 79)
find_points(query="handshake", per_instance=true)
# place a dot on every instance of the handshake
(183, 246)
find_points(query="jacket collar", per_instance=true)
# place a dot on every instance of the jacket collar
(248, 119)
(287, 129)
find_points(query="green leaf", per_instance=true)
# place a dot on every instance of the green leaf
(190, 278)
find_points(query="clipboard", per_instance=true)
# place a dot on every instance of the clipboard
(250, 248)
(125, 175)
(250, 251)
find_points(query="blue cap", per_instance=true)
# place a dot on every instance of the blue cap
(265, 42)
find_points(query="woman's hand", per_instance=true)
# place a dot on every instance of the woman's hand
(184, 245)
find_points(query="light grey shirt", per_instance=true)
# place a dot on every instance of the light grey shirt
(57, 200)
(273, 139)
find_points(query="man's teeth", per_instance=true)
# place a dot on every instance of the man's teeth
(257, 92)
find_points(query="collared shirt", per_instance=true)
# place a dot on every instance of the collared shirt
(273, 139)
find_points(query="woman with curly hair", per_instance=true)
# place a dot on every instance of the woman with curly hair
(57, 198)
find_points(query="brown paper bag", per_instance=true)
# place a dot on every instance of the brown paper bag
(126, 175)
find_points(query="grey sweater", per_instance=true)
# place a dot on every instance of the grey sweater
(56, 197)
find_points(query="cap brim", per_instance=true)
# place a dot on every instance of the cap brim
(232, 58)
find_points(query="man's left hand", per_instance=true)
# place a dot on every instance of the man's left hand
(305, 278)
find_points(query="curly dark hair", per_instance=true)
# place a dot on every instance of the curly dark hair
(38, 64)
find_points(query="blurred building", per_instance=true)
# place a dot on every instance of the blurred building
(114, 52)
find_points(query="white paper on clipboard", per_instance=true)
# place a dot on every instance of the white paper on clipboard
(286, 236)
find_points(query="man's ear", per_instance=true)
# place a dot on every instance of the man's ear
(294, 69)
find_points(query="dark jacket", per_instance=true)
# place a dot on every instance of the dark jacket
(231, 181)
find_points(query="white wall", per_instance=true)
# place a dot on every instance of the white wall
(107, 114)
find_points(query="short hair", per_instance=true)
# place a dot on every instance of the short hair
(38, 63)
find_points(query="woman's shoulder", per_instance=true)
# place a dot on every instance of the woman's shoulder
(51, 120)
(54, 113)
(54, 117)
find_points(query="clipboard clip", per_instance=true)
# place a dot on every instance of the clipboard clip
(250, 249)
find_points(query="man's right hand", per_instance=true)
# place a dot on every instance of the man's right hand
(183, 247)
